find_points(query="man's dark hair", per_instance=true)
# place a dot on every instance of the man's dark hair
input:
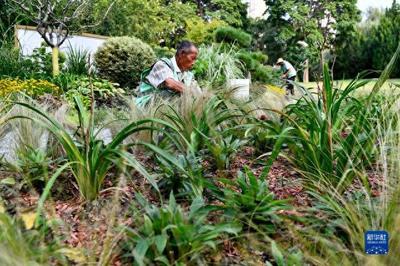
(184, 47)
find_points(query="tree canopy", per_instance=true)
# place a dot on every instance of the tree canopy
(165, 22)
(372, 45)
(320, 24)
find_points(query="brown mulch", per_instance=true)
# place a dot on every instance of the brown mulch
(287, 184)
(86, 225)
(283, 181)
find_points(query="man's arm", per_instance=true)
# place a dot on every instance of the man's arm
(285, 72)
(172, 84)
(162, 76)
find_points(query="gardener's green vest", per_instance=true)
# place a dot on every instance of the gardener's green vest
(147, 91)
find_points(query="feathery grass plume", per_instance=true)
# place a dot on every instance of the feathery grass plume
(332, 137)
(19, 246)
(335, 231)
(5, 107)
(335, 227)
(215, 65)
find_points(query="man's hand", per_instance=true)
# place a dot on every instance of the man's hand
(174, 85)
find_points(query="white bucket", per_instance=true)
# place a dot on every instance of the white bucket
(240, 88)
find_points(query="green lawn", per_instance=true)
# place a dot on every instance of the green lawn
(344, 83)
(275, 97)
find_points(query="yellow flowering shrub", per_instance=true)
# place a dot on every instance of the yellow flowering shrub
(32, 87)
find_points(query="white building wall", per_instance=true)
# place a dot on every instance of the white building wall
(28, 39)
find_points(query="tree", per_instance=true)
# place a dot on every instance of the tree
(372, 45)
(55, 20)
(321, 24)
(200, 31)
(155, 22)
(166, 22)
(8, 18)
(384, 38)
(233, 12)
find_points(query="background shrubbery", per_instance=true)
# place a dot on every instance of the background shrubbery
(31, 87)
(13, 64)
(233, 36)
(104, 91)
(254, 64)
(122, 59)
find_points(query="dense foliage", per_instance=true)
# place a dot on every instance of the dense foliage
(232, 36)
(369, 48)
(89, 178)
(320, 24)
(31, 87)
(122, 59)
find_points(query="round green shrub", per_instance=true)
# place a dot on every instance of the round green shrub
(247, 60)
(265, 74)
(122, 60)
(259, 57)
(233, 36)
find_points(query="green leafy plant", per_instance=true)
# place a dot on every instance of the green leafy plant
(284, 258)
(334, 230)
(216, 64)
(262, 134)
(333, 136)
(23, 246)
(196, 125)
(249, 200)
(200, 31)
(222, 149)
(104, 91)
(90, 158)
(266, 74)
(77, 61)
(252, 59)
(192, 135)
(171, 236)
(122, 60)
(65, 80)
(42, 60)
(13, 64)
(163, 51)
(254, 64)
(181, 174)
(33, 165)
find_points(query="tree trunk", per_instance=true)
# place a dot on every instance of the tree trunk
(306, 78)
(55, 63)
(322, 62)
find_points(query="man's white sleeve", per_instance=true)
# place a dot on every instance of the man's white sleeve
(159, 74)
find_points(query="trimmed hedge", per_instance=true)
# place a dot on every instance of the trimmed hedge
(233, 36)
(253, 62)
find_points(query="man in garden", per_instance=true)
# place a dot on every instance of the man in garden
(169, 76)
(289, 74)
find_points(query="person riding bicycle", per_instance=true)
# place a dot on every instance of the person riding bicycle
(289, 74)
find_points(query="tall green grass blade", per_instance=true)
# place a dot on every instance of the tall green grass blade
(47, 189)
